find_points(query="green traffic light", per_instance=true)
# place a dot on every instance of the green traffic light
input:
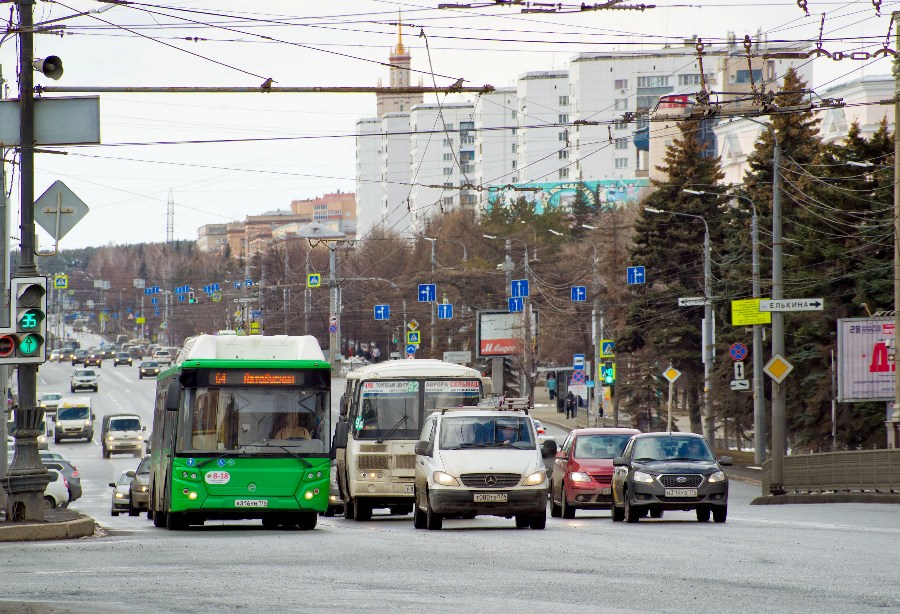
(29, 344)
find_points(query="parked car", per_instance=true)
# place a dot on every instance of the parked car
(148, 368)
(57, 491)
(583, 470)
(121, 500)
(78, 357)
(139, 489)
(84, 379)
(669, 471)
(123, 358)
(67, 469)
(93, 359)
(122, 433)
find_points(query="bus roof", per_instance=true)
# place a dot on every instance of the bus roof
(251, 347)
(413, 368)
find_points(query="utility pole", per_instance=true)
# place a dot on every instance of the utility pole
(4, 314)
(778, 414)
(894, 423)
(27, 477)
(759, 400)
(597, 333)
(287, 287)
(708, 344)
(526, 311)
(432, 240)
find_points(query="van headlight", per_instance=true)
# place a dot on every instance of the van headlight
(87, 422)
(643, 478)
(535, 478)
(140, 438)
(109, 438)
(444, 479)
(718, 476)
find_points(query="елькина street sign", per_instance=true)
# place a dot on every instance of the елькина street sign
(792, 304)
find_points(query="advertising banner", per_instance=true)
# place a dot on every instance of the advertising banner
(500, 333)
(865, 359)
(604, 194)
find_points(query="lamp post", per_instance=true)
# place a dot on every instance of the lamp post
(759, 401)
(526, 309)
(707, 323)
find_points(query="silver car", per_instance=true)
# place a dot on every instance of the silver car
(121, 500)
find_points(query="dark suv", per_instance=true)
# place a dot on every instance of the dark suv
(78, 357)
(669, 471)
(122, 358)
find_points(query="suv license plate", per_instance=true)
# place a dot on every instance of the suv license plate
(251, 503)
(681, 492)
(500, 497)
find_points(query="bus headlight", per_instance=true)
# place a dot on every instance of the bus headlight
(444, 479)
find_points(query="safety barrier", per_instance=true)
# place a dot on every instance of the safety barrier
(850, 471)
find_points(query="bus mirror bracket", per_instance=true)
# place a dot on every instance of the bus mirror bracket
(341, 434)
(173, 396)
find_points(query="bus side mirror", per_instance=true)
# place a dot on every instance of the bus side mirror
(341, 434)
(343, 405)
(173, 396)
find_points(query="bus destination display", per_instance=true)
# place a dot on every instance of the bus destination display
(253, 378)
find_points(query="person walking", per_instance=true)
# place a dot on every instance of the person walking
(551, 386)
(570, 405)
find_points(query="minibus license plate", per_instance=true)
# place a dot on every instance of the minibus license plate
(251, 503)
(409, 489)
(681, 492)
(491, 497)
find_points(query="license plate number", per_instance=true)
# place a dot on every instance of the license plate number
(251, 503)
(604, 491)
(681, 492)
(492, 497)
(408, 489)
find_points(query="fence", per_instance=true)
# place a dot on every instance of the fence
(857, 470)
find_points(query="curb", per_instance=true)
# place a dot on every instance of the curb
(72, 529)
(837, 497)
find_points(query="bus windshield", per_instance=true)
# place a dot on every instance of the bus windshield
(388, 409)
(257, 420)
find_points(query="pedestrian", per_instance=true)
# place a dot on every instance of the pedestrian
(551, 386)
(570, 405)
(376, 354)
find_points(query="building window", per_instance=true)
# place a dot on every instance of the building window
(448, 157)
(448, 170)
(469, 199)
(693, 79)
(620, 125)
(401, 106)
(563, 101)
(743, 76)
(621, 162)
(448, 201)
(622, 143)
(466, 125)
(563, 118)
(654, 81)
(564, 135)
(513, 113)
(448, 126)
(564, 173)
(621, 84)
(515, 179)
(467, 139)
(514, 147)
(563, 154)
(448, 142)
(514, 163)
(621, 104)
(514, 131)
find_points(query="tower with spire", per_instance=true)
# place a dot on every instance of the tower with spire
(399, 78)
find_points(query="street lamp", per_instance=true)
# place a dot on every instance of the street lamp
(759, 401)
(707, 322)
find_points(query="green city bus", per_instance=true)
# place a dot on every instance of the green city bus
(242, 430)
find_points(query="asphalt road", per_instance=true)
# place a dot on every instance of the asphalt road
(804, 558)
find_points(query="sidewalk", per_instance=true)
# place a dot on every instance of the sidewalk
(59, 524)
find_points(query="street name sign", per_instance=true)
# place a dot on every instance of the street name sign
(692, 301)
(740, 384)
(792, 304)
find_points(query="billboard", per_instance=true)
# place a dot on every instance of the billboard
(865, 361)
(606, 193)
(500, 333)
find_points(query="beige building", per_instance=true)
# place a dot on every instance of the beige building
(336, 211)
(212, 238)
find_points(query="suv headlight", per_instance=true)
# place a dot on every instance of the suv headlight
(579, 476)
(643, 478)
(718, 476)
(535, 478)
(444, 479)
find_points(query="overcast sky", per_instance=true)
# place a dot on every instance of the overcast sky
(126, 180)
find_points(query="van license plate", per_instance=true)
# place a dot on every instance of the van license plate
(499, 497)
(251, 503)
(681, 492)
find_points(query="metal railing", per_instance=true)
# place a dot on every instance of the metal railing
(851, 471)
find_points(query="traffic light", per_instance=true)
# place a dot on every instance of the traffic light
(23, 341)
(608, 373)
(191, 298)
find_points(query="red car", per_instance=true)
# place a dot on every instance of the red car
(582, 472)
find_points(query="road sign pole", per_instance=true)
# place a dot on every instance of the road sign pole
(669, 420)
(776, 481)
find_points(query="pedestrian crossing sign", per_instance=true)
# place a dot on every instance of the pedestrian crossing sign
(313, 280)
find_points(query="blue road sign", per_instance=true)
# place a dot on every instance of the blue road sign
(237, 284)
(255, 313)
(248, 282)
(180, 298)
(382, 312)
(215, 287)
(635, 275)
(148, 291)
(115, 315)
(516, 304)
(578, 377)
(445, 311)
(411, 349)
(579, 294)
(207, 289)
(427, 293)
(154, 301)
(607, 349)
(155, 289)
(737, 351)
(519, 288)
(578, 362)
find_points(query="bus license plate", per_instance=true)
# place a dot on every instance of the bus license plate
(498, 497)
(408, 489)
(251, 503)
(681, 492)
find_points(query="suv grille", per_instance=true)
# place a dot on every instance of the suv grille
(692, 480)
(490, 480)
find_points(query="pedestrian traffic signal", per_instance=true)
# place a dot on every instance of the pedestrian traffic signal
(23, 341)
(191, 298)
(608, 373)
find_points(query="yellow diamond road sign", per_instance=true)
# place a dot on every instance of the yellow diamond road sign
(412, 325)
(671, 374)
(778, 368)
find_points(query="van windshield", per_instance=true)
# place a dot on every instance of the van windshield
(462, 432)
(125, 424)
(73, 413)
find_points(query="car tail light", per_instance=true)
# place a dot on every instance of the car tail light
(75, 474)
(65, 482)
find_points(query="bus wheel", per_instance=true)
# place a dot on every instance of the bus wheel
(363, 511)
(159, 519)
(306, 521)
(175, 521)
(349, 509)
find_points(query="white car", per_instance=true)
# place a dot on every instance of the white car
(57, 492)
(163, 357)
(84, 379)
(49, 401)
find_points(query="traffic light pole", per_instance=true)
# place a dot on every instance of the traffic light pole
(27, 477)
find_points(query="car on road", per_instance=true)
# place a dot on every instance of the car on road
(122, 434)
(583, 468)
(54, 356)
(480, 462)
(135, 351)
(66, 354)
(121, 500)
(148, 368)
(57, 491)
(139, 488)
(123, 358)
(68, 470)
(669, 471)
(108, 352)
(49, 401)
(74, 419)
(78, 357)
(93, 359)
(163, 357)
(84, 379)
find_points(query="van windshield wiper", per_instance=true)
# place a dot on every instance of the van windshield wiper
(392, 429)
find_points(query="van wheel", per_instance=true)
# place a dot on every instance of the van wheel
(419, 519)
(539, 520)
(522, 521)
(433, 521)
(113, 513)
(105, 453)
(132, 511)
(363, 512)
